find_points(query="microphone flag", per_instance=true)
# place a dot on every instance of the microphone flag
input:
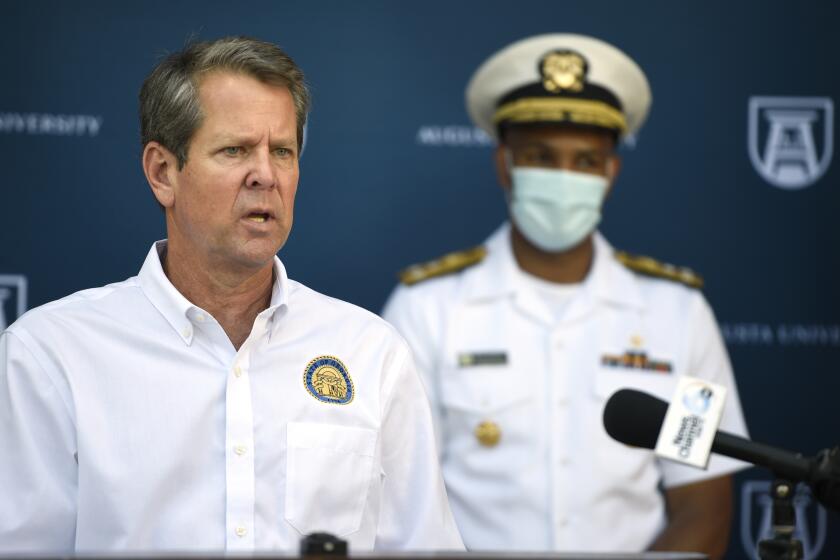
(691, 422)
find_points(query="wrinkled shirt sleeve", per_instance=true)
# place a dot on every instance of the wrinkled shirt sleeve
(415, 513)
(403, 312)
(38, 468)
(709, 360)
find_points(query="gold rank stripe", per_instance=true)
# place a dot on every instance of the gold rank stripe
(580, 111)
(452, 262)
(652, 267)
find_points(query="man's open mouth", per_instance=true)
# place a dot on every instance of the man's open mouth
(259, 217)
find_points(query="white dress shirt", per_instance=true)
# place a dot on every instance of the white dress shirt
(493, 353)
(128, 421)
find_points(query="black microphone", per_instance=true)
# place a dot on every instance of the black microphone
(635, 418)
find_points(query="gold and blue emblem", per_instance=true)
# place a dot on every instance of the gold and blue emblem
(326, 378)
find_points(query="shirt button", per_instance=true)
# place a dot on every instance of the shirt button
(237, 371)
(241, 531)
(240, 450)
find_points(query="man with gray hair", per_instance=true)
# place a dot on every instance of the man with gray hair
(210, 402)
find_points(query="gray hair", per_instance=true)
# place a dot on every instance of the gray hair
(170, 111)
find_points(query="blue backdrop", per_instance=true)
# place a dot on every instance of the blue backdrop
(393, 172)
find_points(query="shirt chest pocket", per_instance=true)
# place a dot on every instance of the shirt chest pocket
(329, 470)
(482, 390)
(476, 399)
(610, 380)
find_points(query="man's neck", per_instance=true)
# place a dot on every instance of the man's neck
(233, 297)
(567, 267)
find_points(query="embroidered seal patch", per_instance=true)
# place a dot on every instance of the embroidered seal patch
(327, 379)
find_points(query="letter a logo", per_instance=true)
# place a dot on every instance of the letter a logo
(790, 139)
(12, 298)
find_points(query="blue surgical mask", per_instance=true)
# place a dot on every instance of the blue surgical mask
(556, 209)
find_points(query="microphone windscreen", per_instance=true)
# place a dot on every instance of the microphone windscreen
(634, 417)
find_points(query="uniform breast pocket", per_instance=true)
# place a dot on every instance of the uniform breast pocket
(660, 385)
(486, 407)
(329, 469)
(483, 390)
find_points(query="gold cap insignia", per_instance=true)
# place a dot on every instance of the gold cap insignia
(488, 433)
(563, 70)
(326, 378)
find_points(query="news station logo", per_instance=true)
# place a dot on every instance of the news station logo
(12, 298)
(697, 398)
(757, 518)
(790, 139)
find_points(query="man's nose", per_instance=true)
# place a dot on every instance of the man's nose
(261, 173)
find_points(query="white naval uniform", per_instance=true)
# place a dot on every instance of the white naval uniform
(555, 480)
(128, 421)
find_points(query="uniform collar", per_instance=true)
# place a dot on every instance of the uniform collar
(611, 281)
(608, 280)
(178, 311)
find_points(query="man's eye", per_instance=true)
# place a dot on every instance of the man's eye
(534, 158)
(233, 150)
(283, 152)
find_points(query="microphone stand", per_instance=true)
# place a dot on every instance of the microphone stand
(824, 479)
(782, 546)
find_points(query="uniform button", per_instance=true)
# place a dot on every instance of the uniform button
(241, 531)
(488, 433)
(562, 522)
(240, 450)
(563, 461)
(199, 318)
(237, 371)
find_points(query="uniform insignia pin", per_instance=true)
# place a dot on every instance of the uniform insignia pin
(326, 378)
(636, 359)
(563, 70)
(488, 433)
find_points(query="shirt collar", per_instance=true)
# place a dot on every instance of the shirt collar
(499, 266)
(178, 310)
(610, 280)
(607, 280)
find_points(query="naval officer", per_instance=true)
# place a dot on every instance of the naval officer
(522, 339)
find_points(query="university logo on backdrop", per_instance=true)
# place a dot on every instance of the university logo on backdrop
(12, 298)
(790, 139)
(757, 518)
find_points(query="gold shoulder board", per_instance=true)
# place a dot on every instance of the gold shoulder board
(652, 267)
(447, 264)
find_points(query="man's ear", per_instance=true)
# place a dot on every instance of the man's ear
(503, 165)
(613, 168)
(160, 166)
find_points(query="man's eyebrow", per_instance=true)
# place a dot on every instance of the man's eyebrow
(533, 144)
(228, 138)
(290, 141)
